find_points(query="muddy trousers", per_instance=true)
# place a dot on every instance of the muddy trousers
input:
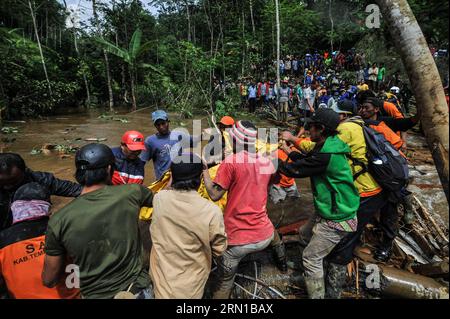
(343, 253)
(228, 263)
(324, 239)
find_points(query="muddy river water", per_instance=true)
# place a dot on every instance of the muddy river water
(74, 129)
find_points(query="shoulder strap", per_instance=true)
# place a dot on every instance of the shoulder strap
(357, 162)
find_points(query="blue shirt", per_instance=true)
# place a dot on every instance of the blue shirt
(252, 92)
(161, 149)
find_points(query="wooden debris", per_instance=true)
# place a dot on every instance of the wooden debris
(426, 215)
(423, 243)
(434, 270)
(95, 139)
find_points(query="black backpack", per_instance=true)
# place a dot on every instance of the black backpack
(386, 164)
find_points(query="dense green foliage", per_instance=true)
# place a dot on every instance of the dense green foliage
(174, 59)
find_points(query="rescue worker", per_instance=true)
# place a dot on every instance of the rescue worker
(225, 149)
(165, 144)
(22, 247)
(197, 234)
(99, 232)
(129, 168)
(335, 197)
(14, 173)
(370, 113)
(246, 176)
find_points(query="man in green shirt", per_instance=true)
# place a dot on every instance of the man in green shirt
(98, 232)
(336, 199)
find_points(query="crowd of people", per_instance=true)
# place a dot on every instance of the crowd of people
(211, 209)
(316, 81)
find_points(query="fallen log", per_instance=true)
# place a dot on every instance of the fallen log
(434, 270)
(423, 243)
(397, 283)
(414, 246)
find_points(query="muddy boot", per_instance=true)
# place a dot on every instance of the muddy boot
(336, 277)
(279, 254)
(315, 287)
(408, 212)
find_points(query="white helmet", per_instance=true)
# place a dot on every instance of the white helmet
(395, 89)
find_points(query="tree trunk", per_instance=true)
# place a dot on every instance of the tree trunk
(277, 14)
(105, 55)
(108, 80)
(188, 16)
(223, 50)
(33, 17)
(86, 83)
(251, 16)
(211, 31)
(46, 26)
(424, 78)
(133, 91)
(244, 47)
(332, 26)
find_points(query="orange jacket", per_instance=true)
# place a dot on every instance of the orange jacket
(392, 110)
(22, 260)
(389, 135)
(284, 181)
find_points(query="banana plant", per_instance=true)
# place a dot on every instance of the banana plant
(130, 56)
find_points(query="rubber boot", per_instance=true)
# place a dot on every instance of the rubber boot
(336, 277)
(315, 287)
(279, 254)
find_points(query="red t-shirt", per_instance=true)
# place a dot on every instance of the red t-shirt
(246, 177)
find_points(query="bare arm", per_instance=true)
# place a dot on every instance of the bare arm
(53, 268)
(214, 191)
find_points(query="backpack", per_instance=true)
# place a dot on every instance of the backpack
(386, 165)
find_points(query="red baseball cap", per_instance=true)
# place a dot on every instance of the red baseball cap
(134, 140)
(227, 120)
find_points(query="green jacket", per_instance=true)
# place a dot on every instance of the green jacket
(335, 195)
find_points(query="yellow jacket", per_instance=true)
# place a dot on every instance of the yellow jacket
(351, 134)
(146, 212)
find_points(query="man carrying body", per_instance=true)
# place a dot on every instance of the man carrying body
(197, 234)
(336, 199)
(246, 176)
(164, 145)
(22, 247)
(99, 231)
(129, 167)
(14, 173)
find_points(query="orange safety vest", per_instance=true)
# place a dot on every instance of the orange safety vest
(22, 260)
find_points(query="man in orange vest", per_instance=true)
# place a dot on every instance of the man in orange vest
(22, 247)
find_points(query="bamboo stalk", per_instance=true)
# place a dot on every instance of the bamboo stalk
(428, 216)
